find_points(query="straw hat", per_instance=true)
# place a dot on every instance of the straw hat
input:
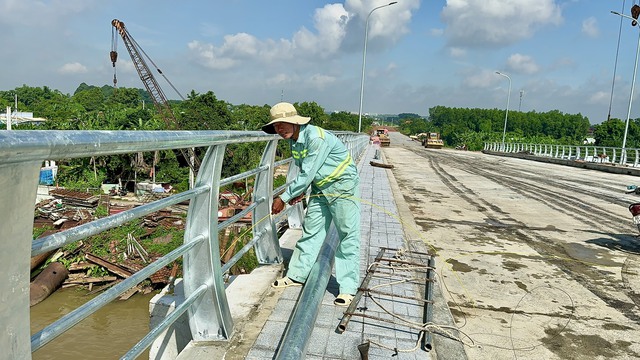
(284, 112)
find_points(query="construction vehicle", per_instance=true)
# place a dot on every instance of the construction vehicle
(383, 135)
(432, 141)
(151, 85)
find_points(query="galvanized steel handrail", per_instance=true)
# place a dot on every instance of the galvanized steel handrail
(298, 332)
(21, 156)
(65, 323)
(588, 153)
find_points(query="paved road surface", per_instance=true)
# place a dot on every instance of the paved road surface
(537, 261)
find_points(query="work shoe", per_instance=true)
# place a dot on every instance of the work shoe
(343, 300)
(285, 282)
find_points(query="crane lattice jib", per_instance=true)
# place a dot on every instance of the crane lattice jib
(153, 88)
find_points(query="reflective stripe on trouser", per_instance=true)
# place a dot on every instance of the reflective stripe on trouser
(345, 213)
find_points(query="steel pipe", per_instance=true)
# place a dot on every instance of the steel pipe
(296, 338)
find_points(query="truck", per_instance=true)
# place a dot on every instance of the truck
(382, 134)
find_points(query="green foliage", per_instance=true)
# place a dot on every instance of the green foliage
(248, 261)
(473, 127)
(101, 211)
(97, 271)
(105, 108)
(248, 117)
(611, 133)
(177, 237)
(67, 261)
(344, 121)
(38, 231)
(91, 99)
(314, 111)
(79, 175)
(101, 244)
(279, 181)
(203, 112)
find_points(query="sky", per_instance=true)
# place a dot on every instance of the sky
(556, 54)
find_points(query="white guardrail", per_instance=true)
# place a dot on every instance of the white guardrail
(588, 153)
(22, 153)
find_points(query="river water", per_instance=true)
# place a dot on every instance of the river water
(107, 334)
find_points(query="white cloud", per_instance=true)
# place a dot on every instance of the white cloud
(590, 27)
(436, 32)
(72, 68)
(482, 23)
(40, 13)
(278, 80)
(210, 57)
(481, 79)
(320, 81)
(330, 22)
(522, 64)
(600, 97)
(457, 52)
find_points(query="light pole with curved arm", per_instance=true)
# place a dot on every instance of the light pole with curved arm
(364, 55)
(506, 113)
(623, 156)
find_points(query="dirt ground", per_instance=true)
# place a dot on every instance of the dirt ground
(536, 260)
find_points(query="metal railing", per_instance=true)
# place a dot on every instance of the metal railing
(21, 156)
(588, 153)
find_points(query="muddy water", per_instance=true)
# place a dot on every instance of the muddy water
(107, 334)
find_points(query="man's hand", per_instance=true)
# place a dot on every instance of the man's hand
(277, 206)
(296, 199)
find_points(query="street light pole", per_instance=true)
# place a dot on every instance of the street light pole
(506, 113)
(520, 105)
(364, 56)
(623, 156)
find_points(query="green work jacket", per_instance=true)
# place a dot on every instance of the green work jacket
(325, 165)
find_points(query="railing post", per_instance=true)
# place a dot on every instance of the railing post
(210, 318)
(267, 249)
(18, 188)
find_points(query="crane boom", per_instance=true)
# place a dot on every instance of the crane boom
(159, 99)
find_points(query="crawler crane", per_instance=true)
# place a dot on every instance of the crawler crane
(159, 99)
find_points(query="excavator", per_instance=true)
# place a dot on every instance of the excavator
(150, 83)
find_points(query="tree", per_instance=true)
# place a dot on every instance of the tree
(203, 112)
(344, 121)
(91, 99)
(313, 110)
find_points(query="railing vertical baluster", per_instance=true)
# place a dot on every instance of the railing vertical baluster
(210, 319)
(267, 249)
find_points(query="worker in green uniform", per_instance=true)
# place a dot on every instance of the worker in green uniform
(327, 167)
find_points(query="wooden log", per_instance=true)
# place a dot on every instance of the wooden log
(47, 282)
(108, 265)
(82, 265)
(377, 164)
(91, 280)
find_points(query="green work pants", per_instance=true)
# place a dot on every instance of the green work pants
(344, 211)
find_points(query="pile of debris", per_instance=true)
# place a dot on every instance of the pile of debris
(75, 198)
(81, 267)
